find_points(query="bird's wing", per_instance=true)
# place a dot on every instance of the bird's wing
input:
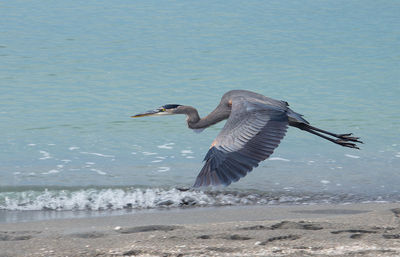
(252, 132)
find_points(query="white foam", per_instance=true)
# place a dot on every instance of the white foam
(93, 199)
(72, 148)
(31, 144)
(325, 182)
(157, 161)
(352, 156)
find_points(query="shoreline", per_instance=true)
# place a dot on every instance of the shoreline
(369, 229)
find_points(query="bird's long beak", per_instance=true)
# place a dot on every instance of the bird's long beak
(155, 112)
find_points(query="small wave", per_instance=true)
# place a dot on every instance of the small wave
(278, 159)
(163, 169)
(100, 172)
(99, 154)
(352, 156)
(166, 146)
(186, 152)
(45, 156)
(154, 198)
(148, 153)
(54, 171)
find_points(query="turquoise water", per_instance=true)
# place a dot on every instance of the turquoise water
(72, 73)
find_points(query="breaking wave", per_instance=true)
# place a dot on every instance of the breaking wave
(154, 198)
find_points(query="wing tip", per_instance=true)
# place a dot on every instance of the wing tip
(209, 177)
(221, 169)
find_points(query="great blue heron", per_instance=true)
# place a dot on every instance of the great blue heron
(255, 126)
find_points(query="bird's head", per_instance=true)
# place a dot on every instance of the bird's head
(167, 109)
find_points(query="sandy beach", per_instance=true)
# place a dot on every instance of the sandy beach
(313, 230)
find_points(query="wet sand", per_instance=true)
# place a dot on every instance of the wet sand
(319, 230)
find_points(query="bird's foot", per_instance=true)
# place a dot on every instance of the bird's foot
(344, 142)
(348, 137)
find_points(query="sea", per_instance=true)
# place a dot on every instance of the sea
(72, 73)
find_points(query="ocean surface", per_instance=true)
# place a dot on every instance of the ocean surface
(72, 73)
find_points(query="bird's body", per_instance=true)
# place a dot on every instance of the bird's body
(254, 128)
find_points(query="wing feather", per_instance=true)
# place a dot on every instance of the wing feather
(250, 135)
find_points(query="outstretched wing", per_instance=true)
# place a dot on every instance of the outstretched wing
(252, 132)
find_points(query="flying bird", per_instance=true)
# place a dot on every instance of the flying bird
(254, 128)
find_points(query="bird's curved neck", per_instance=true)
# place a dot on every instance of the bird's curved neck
(195, 122)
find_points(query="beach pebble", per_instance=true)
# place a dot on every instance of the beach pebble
(117, 228)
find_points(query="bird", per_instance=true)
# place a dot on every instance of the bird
(254, 128)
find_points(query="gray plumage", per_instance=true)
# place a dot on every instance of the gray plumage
(256, 124)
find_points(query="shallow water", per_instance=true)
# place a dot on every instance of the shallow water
(72, 73)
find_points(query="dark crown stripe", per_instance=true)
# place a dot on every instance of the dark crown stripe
(171, 106)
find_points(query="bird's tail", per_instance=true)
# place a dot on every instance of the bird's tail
(295, 118)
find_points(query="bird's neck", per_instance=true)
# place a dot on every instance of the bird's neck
(195, 122)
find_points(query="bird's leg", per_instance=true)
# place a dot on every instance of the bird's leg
(342, 139)
(346, 137)
(338, 141)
